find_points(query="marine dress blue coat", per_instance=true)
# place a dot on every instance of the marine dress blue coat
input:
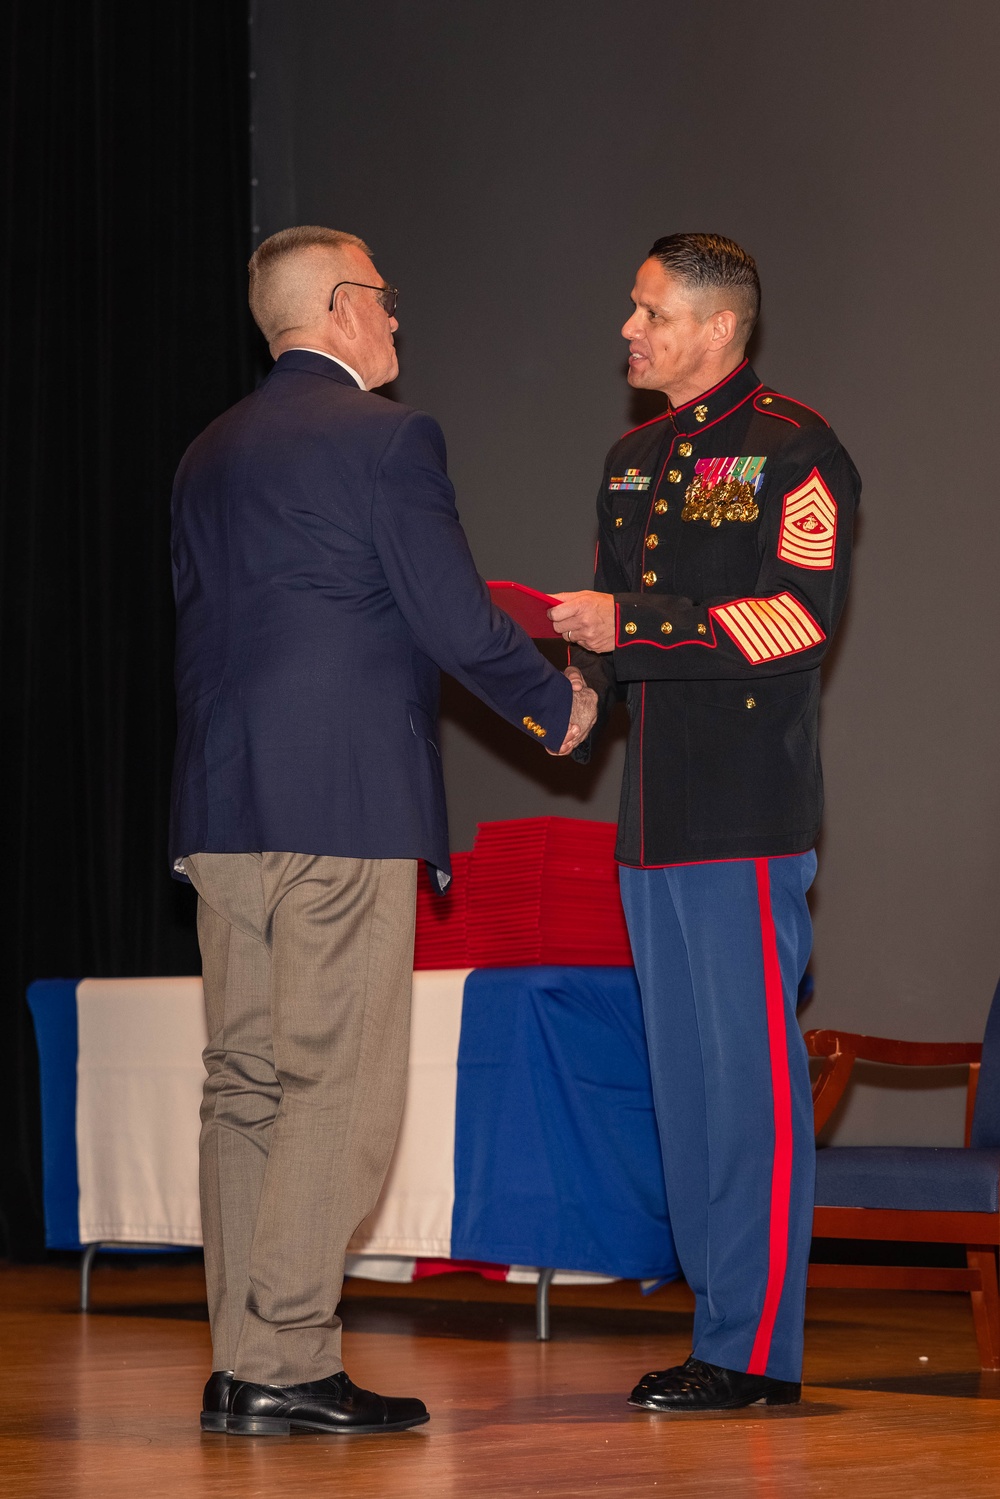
(322, 581)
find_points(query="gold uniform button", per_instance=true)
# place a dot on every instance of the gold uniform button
(631, 627)
(618, 521)
(667, 628)
(767, 400)
(660, 507)
(751, 702)
(649, 579)
(652, 541)
(675, 476)
(702, 630)
(685, 450)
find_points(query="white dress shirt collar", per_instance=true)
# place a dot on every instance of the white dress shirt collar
(304, 349)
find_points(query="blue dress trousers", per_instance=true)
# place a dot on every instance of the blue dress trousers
(720, 950)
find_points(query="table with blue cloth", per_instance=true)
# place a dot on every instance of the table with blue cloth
(549, 1151)
(557, 1160)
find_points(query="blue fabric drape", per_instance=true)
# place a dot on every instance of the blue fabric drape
(52, 1003)
(557, 1160)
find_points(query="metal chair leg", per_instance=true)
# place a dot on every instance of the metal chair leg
(543, 1323)
(86, 1264)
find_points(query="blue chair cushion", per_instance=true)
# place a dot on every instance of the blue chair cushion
(929, 1179)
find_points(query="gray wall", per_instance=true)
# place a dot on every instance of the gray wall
(511, 163)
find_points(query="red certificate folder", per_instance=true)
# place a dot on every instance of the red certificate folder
(527, 607)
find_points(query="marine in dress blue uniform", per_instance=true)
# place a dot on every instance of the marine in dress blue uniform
(724, 545)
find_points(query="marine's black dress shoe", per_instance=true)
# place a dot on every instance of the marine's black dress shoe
(332, 1404)
(697, 1386)
(215, 1401)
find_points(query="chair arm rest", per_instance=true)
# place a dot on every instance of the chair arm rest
(828, 1089)
(894, 1053)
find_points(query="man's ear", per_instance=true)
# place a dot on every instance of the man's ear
(343, 313)
(724, 326)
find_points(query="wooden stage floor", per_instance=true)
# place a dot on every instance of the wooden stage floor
(105, 1406)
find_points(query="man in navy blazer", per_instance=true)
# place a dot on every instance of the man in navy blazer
(323, 581)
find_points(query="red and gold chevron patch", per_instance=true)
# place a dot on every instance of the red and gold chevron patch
(809, 525)
(765, 629)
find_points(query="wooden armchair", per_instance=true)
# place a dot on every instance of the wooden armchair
(920, 1194)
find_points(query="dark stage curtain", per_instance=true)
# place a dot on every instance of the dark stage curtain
(122, 287)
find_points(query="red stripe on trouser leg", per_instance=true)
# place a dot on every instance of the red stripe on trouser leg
(781, 1092)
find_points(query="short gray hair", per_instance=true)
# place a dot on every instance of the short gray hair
(269, 300)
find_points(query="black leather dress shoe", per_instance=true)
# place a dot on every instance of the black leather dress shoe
(215, 1401)
(333, 1404)
(697, 1386)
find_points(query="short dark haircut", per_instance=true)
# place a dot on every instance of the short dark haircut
(711, 260)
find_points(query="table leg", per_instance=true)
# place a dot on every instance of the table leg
(86, 1265)
(543, 1323)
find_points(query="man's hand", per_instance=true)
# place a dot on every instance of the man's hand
(586, 619)
(583, 715)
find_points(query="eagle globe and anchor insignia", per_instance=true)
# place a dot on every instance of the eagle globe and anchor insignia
(724, 489)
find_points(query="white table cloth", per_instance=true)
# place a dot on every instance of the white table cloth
(139, 1080)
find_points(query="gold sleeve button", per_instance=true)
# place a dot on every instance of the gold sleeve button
(667, 628)
(702, 630)
(631, 627)
(751, 702)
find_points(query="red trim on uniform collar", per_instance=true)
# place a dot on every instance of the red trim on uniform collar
(704, 426)
(653, 419)
(717, 403)
(696, 400)
(672, 412)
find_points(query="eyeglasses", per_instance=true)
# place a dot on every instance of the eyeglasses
(387, 296)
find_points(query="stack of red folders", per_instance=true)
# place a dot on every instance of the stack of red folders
(441, 940)
(533, 890)
(545, 890)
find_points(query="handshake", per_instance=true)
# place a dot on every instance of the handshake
(588, 619)
(583, 715)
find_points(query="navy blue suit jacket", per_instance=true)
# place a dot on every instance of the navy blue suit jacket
(322, 578)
